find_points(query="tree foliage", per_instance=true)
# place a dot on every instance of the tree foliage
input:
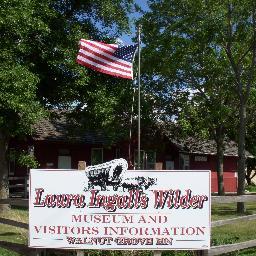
(39, 43)
(207, 46)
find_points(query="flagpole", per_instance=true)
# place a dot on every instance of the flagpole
(139, 31)
(131, 120)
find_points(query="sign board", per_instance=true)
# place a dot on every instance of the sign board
(151, 210)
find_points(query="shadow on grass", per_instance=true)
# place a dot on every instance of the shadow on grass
(8, 234)
(223, 212)
(231, 213)
(18, 248)
(14, 223)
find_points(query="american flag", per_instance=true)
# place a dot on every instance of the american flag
(110, 59)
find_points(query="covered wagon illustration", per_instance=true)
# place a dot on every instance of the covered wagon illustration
(138, 183)
(107, 174)
(112, 174)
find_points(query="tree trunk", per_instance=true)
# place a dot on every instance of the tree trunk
(4, 184)
(241, 155)
(220, 157)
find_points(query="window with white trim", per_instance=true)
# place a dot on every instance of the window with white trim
(151, 160)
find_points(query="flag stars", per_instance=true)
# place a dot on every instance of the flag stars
(126, 52)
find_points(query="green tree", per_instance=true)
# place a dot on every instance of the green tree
(206, 116)
(19, 106)
(39, 43)
(208, 44)
(251, 137)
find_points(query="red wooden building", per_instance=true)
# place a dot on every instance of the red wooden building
(57, 143)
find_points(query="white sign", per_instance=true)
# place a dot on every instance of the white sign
(152, 210)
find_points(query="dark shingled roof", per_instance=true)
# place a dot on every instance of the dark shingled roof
(207, 147)
(58, 128)
(195, 145)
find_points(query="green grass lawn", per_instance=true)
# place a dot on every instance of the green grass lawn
(234, 233)
(251, 188)
(228, 211)
(12, 234)
(238, 232)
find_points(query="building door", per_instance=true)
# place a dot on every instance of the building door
(151, 160)
(142, 159)
(169, 165)
(96, 156)
(184, 162)
(64, 162)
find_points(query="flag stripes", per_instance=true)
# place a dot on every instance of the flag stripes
(107, 58)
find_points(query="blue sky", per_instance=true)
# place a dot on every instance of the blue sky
(127, 38)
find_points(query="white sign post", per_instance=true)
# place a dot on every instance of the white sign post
(151, 210)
